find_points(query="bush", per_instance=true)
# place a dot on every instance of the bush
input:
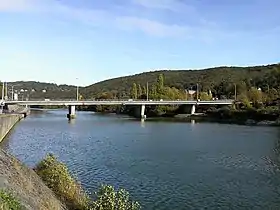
(109, 199)
(57, 177)
(8, 201)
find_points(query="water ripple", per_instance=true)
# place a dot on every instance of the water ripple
(164, 165)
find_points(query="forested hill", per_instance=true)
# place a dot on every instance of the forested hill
(211, 78)
(41, 90)
(219, 80)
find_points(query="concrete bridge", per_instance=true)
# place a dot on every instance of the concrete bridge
(72, 104)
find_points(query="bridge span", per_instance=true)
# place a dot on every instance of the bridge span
(71, 104)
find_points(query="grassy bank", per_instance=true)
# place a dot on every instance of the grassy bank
(70, 192)
(8, 201)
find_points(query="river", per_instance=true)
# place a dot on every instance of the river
(164, 165)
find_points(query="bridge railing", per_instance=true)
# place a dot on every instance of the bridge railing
(108, 100)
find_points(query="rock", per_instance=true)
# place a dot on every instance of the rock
(250, 122)
(266, 122)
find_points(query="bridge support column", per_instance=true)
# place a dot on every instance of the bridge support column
(143, 116)
(71, 112)
(193, 110)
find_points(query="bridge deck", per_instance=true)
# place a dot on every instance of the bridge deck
(119, 102)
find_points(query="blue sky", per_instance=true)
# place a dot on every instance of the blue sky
(92, 40)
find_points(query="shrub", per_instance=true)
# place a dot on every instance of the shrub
(58, 178)
(109, 199)
(8, 201)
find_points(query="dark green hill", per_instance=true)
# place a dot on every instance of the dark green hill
(182, 79)
(219, 80)
(41, 90)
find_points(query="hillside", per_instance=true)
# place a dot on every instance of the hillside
(34, 90)
(218, 80)
(182, 79)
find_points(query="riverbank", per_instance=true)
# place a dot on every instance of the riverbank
(7, 122)
(47, 187)
(22, 185)
(269, 115)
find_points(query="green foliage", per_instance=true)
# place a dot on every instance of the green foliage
(139, 91)
(271, 110)
(107, 198)
(160, 84)
(204, 96)
(8, 201)
(218, 80)
(243, 98)
(153, 92)
(272, 94)
(134, 94)
(57, 177)
(144, 91)
(255, 95)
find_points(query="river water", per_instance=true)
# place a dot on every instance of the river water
(164, 165)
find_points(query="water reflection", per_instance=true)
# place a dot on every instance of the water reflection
(72, 121)
(275, 159)
(142, 123)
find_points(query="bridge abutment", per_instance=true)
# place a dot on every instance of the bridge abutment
(71, 112)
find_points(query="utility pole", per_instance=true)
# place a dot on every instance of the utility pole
(6, 90)
(3, 90)
(77, 91)
(197, 91)
(12, 93)
(235, 93)
(147, 91)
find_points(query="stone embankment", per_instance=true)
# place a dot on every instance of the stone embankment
(10, 117)
(16, 178)
(25, 185)
(7, 122)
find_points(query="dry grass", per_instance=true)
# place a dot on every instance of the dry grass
(57, 177)
(25, 184)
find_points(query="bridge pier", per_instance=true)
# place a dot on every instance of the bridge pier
(143, 116)
(71, 112)
(193, 110)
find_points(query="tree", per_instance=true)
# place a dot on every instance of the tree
(255, 95)
(243, 98)
(107, 198)
(139, 91)
(205, 96)
(160, 83)
(273, 94)
(134, 91)
(144, 91)
(154, 92)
